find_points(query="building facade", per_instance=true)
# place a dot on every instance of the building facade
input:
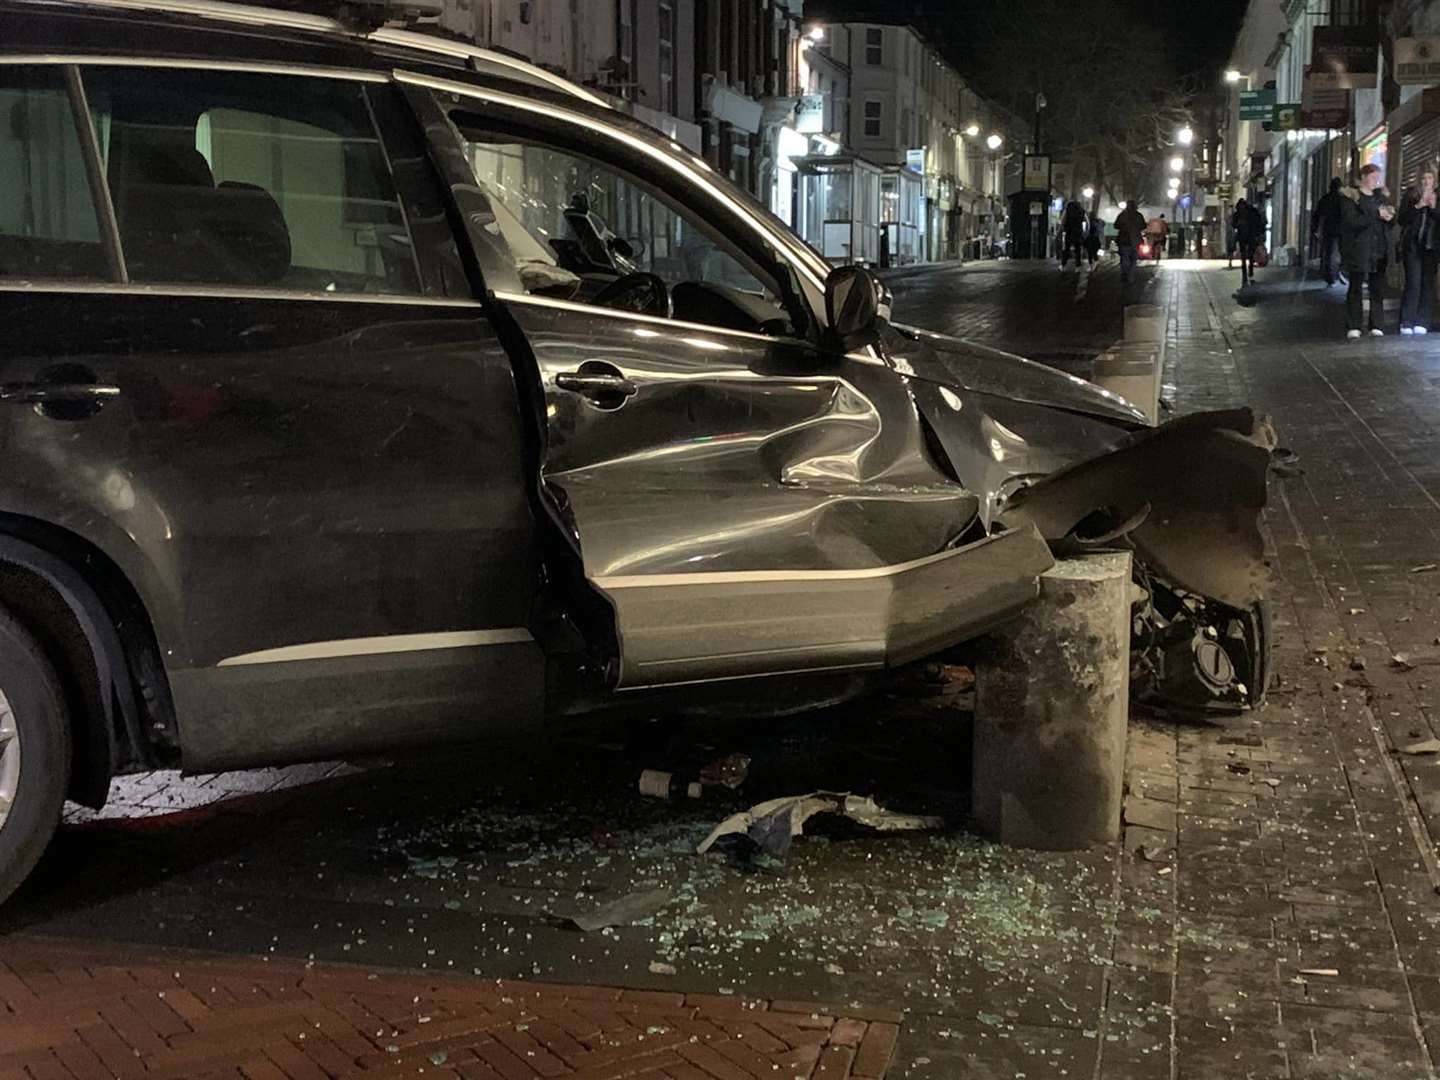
(860, 136)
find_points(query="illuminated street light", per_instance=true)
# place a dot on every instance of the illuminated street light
(1233, 76)
(1088, 192)
(1177, 163)
(817, 33)
(994, 142)
(1185, 136)
(973, 130)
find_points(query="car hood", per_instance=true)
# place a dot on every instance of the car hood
(951, 361)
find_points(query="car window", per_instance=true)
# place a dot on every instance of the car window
(48, 227)
(237, 178)
(583, 230)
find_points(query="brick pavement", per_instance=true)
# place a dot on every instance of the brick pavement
(1278, 904)
(84, 1011)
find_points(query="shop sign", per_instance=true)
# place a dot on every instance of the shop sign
(1346, 57)
(1287, 117)
(1037, 172)
(1417, 61)
(1323, 108)
(1257, 104)
(810, 114)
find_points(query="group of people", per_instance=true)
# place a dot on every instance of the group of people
(1357, 228)
(1081, 234)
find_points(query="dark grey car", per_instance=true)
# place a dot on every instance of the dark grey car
(360, 390)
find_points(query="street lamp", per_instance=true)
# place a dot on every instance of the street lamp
(817, 33)
(1185, 136)
(1088, 192)
(994, 142)
(1177, 163)
(973, 130)
(1233, 76)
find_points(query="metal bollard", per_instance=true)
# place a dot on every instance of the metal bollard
(1052, 699)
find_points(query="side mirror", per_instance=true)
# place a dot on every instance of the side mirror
(855, 303)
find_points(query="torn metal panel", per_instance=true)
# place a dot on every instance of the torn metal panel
(1203, 478)
(760, 621)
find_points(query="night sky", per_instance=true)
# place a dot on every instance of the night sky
(1199, 33)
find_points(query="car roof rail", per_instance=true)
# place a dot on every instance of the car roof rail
(484, 61)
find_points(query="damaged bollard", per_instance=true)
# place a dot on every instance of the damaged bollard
(1051, 705)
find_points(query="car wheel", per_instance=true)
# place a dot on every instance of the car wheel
(34, 753)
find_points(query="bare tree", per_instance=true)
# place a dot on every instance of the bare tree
(1113, 100)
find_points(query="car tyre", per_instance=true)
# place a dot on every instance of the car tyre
(34, 753)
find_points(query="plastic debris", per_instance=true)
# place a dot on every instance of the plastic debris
(659, 967)
(1424, 746)
(1409, 661)
(622, 912)
(1424, 568)
(773, 824)
(1329, 972)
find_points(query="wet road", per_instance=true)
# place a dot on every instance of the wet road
(1061, 317)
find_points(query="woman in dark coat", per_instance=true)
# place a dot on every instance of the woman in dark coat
(1365, 226)
(1420, 249)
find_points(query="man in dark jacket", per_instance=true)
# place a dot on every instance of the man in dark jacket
(1129, 229)
(1365, 226)
(1249, 228)
(1094, 238)
(1420, 248)
(1072, 234)
(1325, 226)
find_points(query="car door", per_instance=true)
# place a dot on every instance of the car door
(749, 502)
(242, 364)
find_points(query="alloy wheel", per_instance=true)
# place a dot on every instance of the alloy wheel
(9, 759)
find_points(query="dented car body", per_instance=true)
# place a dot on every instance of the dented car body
(514, 410)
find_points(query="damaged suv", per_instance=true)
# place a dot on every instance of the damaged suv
(363, 390)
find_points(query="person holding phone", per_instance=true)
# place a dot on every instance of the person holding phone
(1420, 249)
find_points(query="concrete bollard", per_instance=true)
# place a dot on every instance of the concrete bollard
(1052, 699)
(1132, 370)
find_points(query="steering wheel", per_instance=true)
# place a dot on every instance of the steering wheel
(640, 292)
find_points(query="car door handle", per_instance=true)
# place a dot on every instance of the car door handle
(592, 383)
(47, 393)
(598, 383)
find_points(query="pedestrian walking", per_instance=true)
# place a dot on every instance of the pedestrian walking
(1094, 238)
(1365, 225)
(1230, 241)
(1072, 234)
(1249, 228)
(1157, 231)
(1129, 230)
(1325, 226)
(1420, 250)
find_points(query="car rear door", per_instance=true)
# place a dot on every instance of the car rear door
(241, 362)
(748, 502)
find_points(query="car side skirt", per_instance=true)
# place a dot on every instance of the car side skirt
(413, 697)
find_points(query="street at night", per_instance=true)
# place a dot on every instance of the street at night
(719, 540)
(1270, 911)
